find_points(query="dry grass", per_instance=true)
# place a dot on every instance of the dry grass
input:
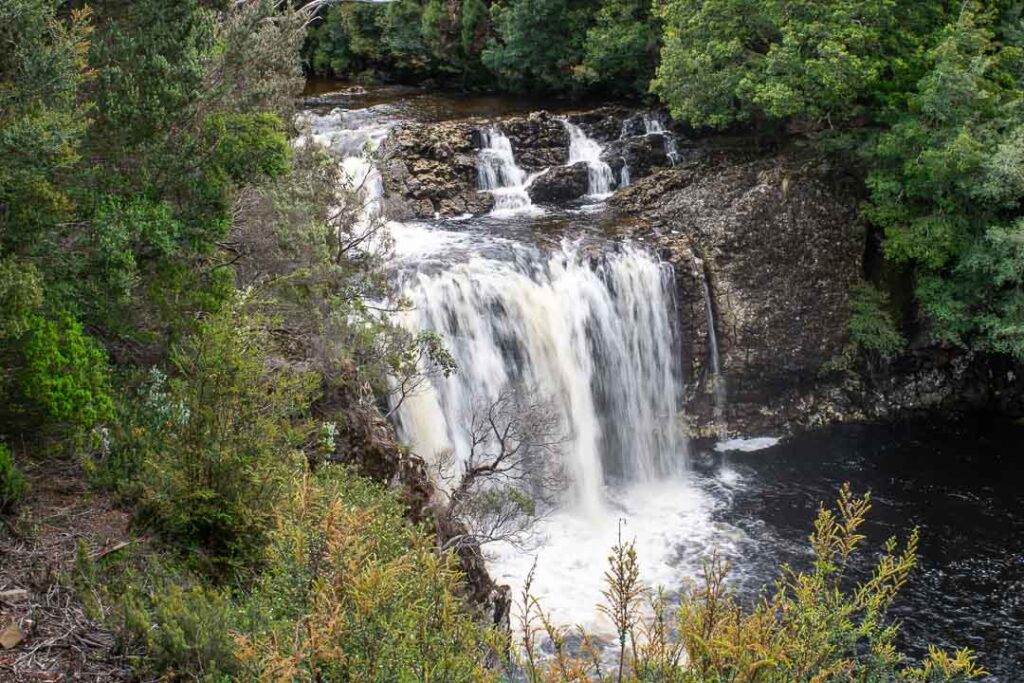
(60, 642)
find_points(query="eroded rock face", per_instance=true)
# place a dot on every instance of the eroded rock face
(431, 169)
(605, 123)
(539, 140)
(559, 184)
(641, 154)
(776, 245)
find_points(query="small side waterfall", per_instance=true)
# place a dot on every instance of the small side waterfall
(654, 126)
(498, 174)
(717, 381)
(599, 340)
(600, 178)
(624, 177)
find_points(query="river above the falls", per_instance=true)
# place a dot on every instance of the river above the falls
(546, 296)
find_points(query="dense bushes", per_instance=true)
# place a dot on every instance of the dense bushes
(348, 591)
(215, 470)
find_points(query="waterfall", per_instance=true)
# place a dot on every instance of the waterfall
(600, 179)
(717, 381)
(624, 177)
(654, 126)
(598, 339)
(498, 174)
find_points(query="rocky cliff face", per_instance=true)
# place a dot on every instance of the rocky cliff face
(766, 250)
(765, 253)
(430, 169)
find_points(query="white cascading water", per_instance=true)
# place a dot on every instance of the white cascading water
(653, 126)
(600, 178)
(598, 341)
(717, 381)
(595, 332)
(498, 174)
(624, 176)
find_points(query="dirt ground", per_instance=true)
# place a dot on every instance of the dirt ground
(41, 618)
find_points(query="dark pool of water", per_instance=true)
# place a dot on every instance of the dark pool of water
(961, 484)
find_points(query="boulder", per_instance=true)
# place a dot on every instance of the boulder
(430, 169)
(642, 154)
(603, 124)
(559, 184)
(538, 141)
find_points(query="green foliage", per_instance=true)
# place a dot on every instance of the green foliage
(12, 481)
(42, 118)
(63, 376)
(406, 39)
(947, 182)
(216, 469)
(20, 296)
(729, 61)
(186, 632)
(872, 327)
(348, 590)
(537, 43)
(621, 47)
(353, 593)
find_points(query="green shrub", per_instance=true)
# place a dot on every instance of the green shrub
(12, 481)
(871, 324)
(352, 592)
(219, 463)
(191, 634)
(64, 374)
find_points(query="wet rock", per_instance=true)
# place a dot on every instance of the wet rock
(603, 124)
(641, 154)
(538, 141)
(559, 184)
(430, 170)
(777, 243)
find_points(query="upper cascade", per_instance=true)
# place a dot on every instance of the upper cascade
(601, 179)
(498, 173)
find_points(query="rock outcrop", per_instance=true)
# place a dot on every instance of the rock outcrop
(539, 140)
(773, 247)
(431, 170)
(559, 184)
(641, 154)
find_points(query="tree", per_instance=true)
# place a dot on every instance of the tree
(734, 61)
(537, 43)
(621, 48)
(947, 184)
(512, 470)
